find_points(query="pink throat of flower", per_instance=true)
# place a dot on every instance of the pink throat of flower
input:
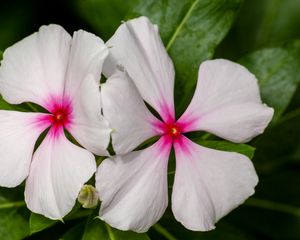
(172, 130)
(60, 116)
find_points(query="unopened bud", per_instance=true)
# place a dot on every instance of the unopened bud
(88, 196)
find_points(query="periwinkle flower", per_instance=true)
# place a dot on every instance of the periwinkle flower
(61, 74)
(208, 183)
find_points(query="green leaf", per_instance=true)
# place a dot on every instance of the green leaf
(190, 30)
(38, 223)
(227, 146)
(279, 145)
(1, 55)
(175, 230)
(260, 24)
(277, 70)
(75, 233)
(275, 211)
(104, 16)
(96, 229)
(13, 214)
(17, 21)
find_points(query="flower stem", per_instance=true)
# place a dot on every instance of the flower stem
(163, 232)
(12, 205)
(273, 206)
(110, 233)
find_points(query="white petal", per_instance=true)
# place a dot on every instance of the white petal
(89, 127)
(128, 115)
(209, 184)
(87, 55)
(34, 69)
(137, 46)
(57, 173)
(18, 134)
(227, 103)
(133, 187)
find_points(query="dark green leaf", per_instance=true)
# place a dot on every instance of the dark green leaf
(224, 230)
(260, 24)
(277, 70)
(191, 30)
(228, 146)
(38, 223)
(96, 229)
(75, 233)
(104, 16)
(275, 210)
(13, 214)
(1, 55)
(279, 145)
(16, 20)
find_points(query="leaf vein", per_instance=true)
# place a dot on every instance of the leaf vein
(178, 29)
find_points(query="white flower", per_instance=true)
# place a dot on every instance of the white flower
(208, 183)
(61, 74)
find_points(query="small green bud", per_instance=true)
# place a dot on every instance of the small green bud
(88, 196)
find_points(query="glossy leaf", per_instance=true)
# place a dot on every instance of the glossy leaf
(274, 213)
(279, 145)
(224, 230)
(191, 30)
(96, 229)
(104, 16)
(75, 233)
(228, 146)
(260, 24)
(38, 223)
(277, 70)
(13, 214)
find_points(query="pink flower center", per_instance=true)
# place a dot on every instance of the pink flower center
(172, 130)
(60, 116)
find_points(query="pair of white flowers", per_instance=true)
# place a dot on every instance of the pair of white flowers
(61, 74)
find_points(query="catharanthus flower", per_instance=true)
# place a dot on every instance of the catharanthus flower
(61, 74)
(208, 183)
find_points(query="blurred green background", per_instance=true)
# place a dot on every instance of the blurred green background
(271, 29)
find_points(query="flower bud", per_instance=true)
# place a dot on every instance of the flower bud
(88, 196)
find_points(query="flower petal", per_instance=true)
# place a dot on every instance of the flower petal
(209, 184)
(133, 187)
(227, 103)
(137, 46)
(89, 127)
(126, 112)
(18, 134)
(35, 67)
(58, 171)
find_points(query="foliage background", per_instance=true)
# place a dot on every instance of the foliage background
(263, 35)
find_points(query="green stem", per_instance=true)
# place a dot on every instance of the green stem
(110, 232)
(163, 232)
(12, 205)
(273, 206)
